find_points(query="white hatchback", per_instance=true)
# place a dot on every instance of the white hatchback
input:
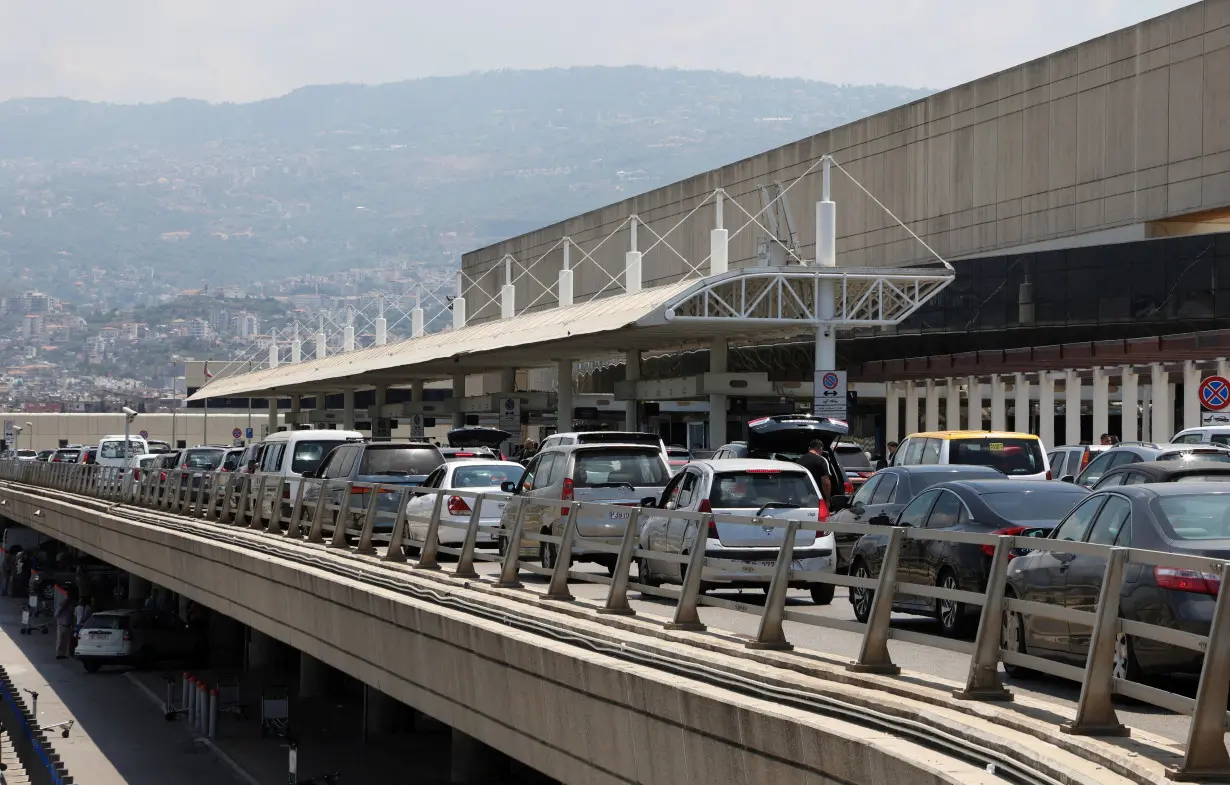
(742, 487)
(478, 476)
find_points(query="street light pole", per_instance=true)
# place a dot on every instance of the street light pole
(30, 428)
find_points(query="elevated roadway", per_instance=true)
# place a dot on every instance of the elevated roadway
(584, 697)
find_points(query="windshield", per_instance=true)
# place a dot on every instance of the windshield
(115, 449)
(1039, 505)
(485, 476)
(853, 458)
(146, 461)
(754, 489)
(628, 467)
(1013, 456)
(308, 455)
(399, 461)
(1199, 516)
(205, 460)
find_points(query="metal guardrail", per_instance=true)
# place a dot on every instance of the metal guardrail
(264, 502)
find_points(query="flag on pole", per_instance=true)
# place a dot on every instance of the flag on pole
(208, 375)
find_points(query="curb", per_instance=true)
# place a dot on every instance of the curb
(238, 771)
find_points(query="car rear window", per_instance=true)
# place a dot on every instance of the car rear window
(115, 449)
(754, 489)
(853, 458)
(1204, 478)
(485, 476)
(620, 437)
(1218, 456)
(97, 622)
(1199, 516)
(231, 462)
(205, 460)
(308, 455)
(595, 468)
(1013, 457)
(679, 454)
(1039, 505)
(399, 461)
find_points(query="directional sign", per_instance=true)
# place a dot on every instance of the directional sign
(247, 432)
(1215, 393)
(237, 433)
(510, 413)
(144, 434)
(829, 397)
(416, 426)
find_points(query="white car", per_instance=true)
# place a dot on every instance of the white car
(481, 476)
(133, 637)
(138, 465)
(768, 489)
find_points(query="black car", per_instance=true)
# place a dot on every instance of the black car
(391, 464)
(786, 437)
(880, 498)
(1143, 452)
(1175, 517)
(1023, 508)
(1192, 470)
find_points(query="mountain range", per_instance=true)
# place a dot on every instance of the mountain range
(336, 177)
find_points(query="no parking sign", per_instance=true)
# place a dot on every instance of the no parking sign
(1215, 393)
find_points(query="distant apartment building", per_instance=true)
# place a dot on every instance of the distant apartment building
(245, 325)
(32, 327)
(34, 303)
(199, 329)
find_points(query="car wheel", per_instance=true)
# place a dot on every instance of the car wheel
(954, 621)
(547, 554)
(91, 666)
(822, 593)
(1012, 638)
(1126, 667)
(644, 574)
(861, 598)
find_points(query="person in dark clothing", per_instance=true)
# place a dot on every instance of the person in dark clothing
(818, 466)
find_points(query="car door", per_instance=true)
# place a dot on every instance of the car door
(420, 505)
(929, 555)
(689, 498)
(913, 516)
(857, 512)
(654, 527)
(1045, 578)
(1085, 573)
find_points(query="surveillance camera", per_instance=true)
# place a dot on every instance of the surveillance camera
(128, 412)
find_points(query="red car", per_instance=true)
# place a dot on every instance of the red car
(854, 462)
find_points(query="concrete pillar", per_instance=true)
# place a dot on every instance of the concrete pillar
(296, 401)
(632, 372)
(313, 676)
(1046, 410)
(564, 396)
(1072, 408)
(1191, 395)
(381, 398)
(1223, 367)
(932, 416)
(459, 392)
(138, 590)
(416, 390)
(348, 408)
(1146, 413)
(1129, 396)
(383, 713)
(1159, 393)
(475, 763)
(999, 406)
(1020, 387)
(262, 650)
(1101, 403)
(273, 414)
(508, 380)
(973, 413)
(911, 408)
(952, 415)
(892, 402)
(718, 354)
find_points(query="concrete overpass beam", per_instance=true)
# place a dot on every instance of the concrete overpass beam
(892, 413)
(1160, 393)
(1129, 396)
(973, 410)
(381, 397)
(564, 396)
(952, 415)
(999, 407)
(1020, 387)
(1046, 410)
(718, 356)
(1072, 408)
(296, 402)
(459, 392)
(1101, 404)
(273, 414)
(1191, 395)
(632, 368)
(348, 408)
(933, 406)
(475, 763)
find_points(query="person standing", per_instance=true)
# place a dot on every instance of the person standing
(818, 466)
(64, 628)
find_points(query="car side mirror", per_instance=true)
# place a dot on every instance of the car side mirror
(508, 487)
(1068, 478)
(309, 475)
(649, 501)
(838, 502)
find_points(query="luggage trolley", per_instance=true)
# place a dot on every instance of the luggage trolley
(228, 696)
(29, 614)
(275, 711)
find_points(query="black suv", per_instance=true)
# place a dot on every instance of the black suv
(786, 437)
(390, 464)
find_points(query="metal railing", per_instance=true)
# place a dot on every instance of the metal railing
(360, 516)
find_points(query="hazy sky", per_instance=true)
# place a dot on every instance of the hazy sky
(240, 50)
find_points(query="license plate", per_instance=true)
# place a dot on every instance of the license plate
(98, 634)
(619, 515)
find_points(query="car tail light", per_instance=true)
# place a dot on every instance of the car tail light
(1011, 531)
(463, 455)
(1084, 461)
(566, 495)
(285, 491)
(848, 487)
(136, 474)
(1187, 580)
(359, 489)
(763, 471)
(822, 514)
(162, 476)
(457, 506)
(127, 635)
(1048, 475)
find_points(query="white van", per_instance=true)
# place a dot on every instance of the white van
(1209, 434)
(111, 449)
(291, 453)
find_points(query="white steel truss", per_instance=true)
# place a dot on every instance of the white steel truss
(864, 297)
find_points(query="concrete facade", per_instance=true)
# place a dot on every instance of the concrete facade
(572, 714)
(1086, 145)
